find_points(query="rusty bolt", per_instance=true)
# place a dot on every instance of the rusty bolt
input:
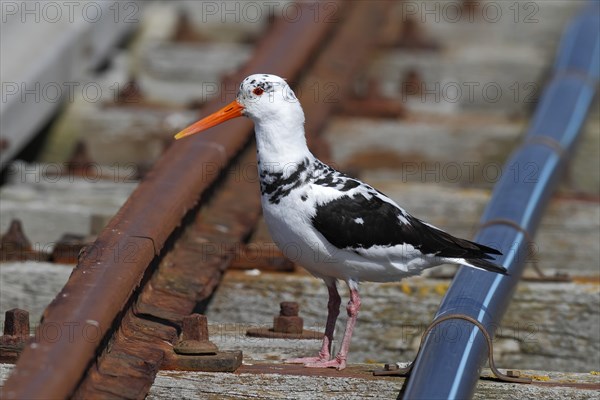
(67, 249)
(80, 160)
(14, 236)
(16, 335)
(470, 5)
(412, 37)
(289, 309)
(194, 337)
(369, 101)
(513, 373)
(287, 325)
(288, 320)
(16, 323)
(411, 83)
(14, 244)
(410, 31)
(391, 367)
(195, 327)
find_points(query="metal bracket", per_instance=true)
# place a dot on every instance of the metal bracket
(397, 371)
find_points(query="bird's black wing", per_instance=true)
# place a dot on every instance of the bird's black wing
(360, 222)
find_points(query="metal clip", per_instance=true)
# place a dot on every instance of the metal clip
(510, 377)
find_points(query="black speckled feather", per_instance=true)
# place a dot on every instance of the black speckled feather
(380, 225)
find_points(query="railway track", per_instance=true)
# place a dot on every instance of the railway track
(155, 263)
(145, 272)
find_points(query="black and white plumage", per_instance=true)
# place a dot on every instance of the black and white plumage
(338, 226)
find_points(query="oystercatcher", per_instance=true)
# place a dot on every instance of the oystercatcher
(343, 228)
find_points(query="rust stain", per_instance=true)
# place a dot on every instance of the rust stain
(352, 371)
(586, 279)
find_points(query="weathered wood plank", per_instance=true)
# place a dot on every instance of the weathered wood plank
(361, 385)
(169, 385)
(30, 286)
(51, 201)
(464, 150)
(557, 323)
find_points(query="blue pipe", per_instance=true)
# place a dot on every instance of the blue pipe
(452, 355)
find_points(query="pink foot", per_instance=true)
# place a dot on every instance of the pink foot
(335, 363)
(306, 360)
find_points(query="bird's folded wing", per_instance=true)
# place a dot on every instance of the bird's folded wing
(360, 222)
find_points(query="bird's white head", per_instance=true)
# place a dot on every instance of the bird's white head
(265, 99)
(268, 97)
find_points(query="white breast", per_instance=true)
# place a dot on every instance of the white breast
(289, 223)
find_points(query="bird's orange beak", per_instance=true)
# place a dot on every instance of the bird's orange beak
(231, 110)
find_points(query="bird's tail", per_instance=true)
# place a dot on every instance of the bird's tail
(485, 265)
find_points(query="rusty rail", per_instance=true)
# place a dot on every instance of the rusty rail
(123, 304)
(108, 273)
(188, 272)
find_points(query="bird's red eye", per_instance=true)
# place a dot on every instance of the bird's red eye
(258, 91)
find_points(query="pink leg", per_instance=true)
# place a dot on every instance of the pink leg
(339, 361)
(333, 310)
